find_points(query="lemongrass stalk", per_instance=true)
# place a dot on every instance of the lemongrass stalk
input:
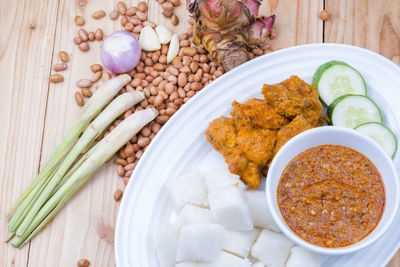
(96, 103)
(94, 159)
(116, 108)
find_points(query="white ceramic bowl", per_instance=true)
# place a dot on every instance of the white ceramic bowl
(330, 135)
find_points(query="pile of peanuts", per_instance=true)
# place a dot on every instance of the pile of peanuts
(166, 86)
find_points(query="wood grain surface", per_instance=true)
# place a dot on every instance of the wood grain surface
(35, 114)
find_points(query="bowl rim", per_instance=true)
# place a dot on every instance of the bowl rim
(276, 215)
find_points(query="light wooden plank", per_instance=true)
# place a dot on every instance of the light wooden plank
(26, 43)
(374, 25)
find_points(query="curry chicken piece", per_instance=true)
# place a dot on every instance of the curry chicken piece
(293, 97)
(259, 128)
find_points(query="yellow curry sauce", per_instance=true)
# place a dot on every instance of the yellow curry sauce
(331, 196)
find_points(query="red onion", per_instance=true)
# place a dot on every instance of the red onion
(120, 52)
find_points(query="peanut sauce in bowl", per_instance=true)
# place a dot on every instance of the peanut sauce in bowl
(331, 196)
(332, 190)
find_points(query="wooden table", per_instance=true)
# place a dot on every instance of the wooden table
(35, 114)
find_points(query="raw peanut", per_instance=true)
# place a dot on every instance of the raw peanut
(186, 60)
(82, 3)
(196, 86)
(198, 75)
(118, 195)
(324, 15)
(96, 76)
(63, 56)
(183, 36)
(181, 93)
(126, 180)
(84, 83)
(158, 100)
(131, 159)
(136, 82)
(142, 6)
(167, 13)
(114, 14)
(121, 161)
(172, 79)
(148, 62)
(173, 70)
(175, 2)
(91, 36)
(206, 68)
(79, 99)
(83, 262)
(146, 132)
(155, 128)
(212, 70)
(131, 11)
(98, 14)
(120, 171)
(139, 154)
(163, 94)
(148, 69)
(145, 82)
(142, 16)
(194, 67)
(162, 119)
(128, 174)
(167, 6)
(170, 111)
(164, 49)
(129, 88)
(190, 94)
(159, 66)
(59, 66)
(121, 8)
(86, 92)
(124, 20)
(153, 90)
(157, 80)
(138, 29)
(77, 40)
(174, 20)
(84, 47)
(170, 88)
(149, 23)
(155, 56)
(203, 59)
(177, 64)
(162, 85)
(130, 167)
(186, 99)
(122, 154)
(135, 21)
(127, 113)
(185, 69)
(143, 141)
(191, 78)
(96, 68)
(129, 150)
(182, 79)
(218, 73)
(129, 27)
(79, 21)
(82, 33)
(196, 57)
(154, 74)
(257, 51)
(190, 31)
(178, 101)
(173, 96)
(99, 34)
(144, 103)
(56, 78)
(187, 87)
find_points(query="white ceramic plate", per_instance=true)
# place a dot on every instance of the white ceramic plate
(181, 144)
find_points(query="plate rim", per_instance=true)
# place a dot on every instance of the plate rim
(204, 91)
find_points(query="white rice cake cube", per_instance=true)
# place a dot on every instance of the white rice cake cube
(272, 248)
(224, 259)
(200, 242)
(259, 210)
(229, 208)
(165, 244)
(187, 189)
(258, 264)
(221, 177)
(239, 243)
(193, 215)
(301, 257)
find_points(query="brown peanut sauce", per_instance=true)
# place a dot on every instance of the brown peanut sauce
(331, 196)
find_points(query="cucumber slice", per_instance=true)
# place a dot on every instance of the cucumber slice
(381, 134)
(352, 110)
(335, 79)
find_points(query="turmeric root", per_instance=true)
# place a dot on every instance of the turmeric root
(227, 28)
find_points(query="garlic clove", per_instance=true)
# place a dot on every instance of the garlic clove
(173, 48)
(148, 39)
(164, 34)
